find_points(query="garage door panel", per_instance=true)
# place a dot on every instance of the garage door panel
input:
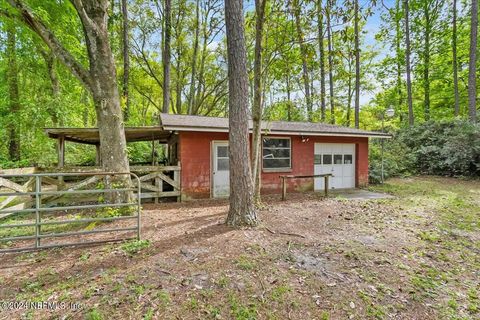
(338, 159)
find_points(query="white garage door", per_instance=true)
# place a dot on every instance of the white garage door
(337, 159)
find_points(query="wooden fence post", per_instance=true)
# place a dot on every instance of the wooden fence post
(159, 185)
(61, 158)
(326, 186)
(98, 156)
(284, 189)
(177, 177)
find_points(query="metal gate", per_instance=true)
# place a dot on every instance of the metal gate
(35, 209)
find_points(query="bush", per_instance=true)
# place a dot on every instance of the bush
(445, 148)
(437, 148)
(397, 161)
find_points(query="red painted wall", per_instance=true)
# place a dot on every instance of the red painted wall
(195, 157)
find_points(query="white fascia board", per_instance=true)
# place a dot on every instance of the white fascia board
(289, 133)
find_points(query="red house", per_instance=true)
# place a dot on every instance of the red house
(294, 148)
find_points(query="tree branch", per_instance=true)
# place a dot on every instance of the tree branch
(78, 4)
(37, 26)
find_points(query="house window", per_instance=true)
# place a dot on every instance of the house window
(277, 153)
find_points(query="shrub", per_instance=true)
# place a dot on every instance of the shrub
(135, 246)
(397, 161)
(439, 148)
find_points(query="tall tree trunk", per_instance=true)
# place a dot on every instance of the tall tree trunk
(191, 95)
(330, 61)
(104, 88)
(303, 52)
(100, 79)
(13, 94)
(399, 59)
(166, 55)
(407, 64)
(85, 101)
(126, 60)
(455, 60)
(54, 85)
(322, 59)
(242, 209)
(357, 65)
(472, 75)
(257, 100)
(426, 61)
(349, 91)
(201, 72)
(179, 88)
(289, 96)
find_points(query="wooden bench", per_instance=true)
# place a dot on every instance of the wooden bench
(284, 183)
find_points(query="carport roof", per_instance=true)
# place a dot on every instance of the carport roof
(176, 122)
(91, 135)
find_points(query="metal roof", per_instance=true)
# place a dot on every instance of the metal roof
(91, 135)
(175, 122)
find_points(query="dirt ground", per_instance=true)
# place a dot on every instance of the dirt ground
(416, 256)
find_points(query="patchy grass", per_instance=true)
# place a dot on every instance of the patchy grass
(135, 246)
(415, 256)
(245, 263)
(52, 217)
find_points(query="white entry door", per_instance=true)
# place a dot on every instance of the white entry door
(221, 169)
(337, 159)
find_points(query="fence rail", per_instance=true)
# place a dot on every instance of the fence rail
(157, 181)
(40, 201)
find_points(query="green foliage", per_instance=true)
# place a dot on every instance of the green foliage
(94, 314)
(279, 292)
(445, 148)
(109, 212)
(240, 311)
(149, 314)
(396, 160)
(135, 246)
(438, 148)
(141, 152)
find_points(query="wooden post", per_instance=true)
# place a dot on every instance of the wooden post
(284, 189)
(98, 156)
(177, 178)
(326, 186)
(166, 154)
(61, 157)
(158, 185)
(154, 154)
(61, 151)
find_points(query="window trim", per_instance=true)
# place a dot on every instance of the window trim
(281, 169)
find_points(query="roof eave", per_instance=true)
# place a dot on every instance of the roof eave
(299, 133)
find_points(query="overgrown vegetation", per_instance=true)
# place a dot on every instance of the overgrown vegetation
(434, 148)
